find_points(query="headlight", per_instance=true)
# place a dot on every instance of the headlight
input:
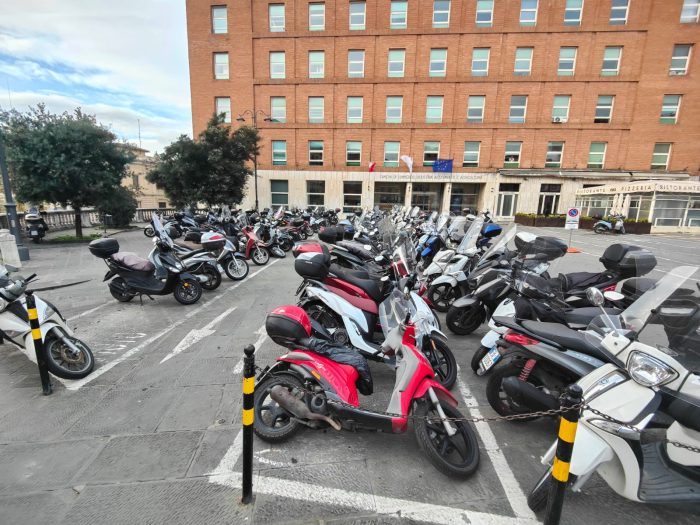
(604, 384)
(649, 371)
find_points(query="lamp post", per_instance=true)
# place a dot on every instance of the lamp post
(10, 205)
(253, 114)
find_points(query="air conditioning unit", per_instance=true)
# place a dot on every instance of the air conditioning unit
(558, 120)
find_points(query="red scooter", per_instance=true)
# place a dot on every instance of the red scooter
(316, 385)
(254, 247)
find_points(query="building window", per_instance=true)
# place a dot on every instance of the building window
(431, 152)
(276, 17)
(135, 182)
(549, 199)
(433, 109)
(317, 17)
(397, 62)
(394, 110)
(315, 153)
(354, 113)
(353, 153)
(618, 12)
(316, 106)
(356, 63)
(560, 108)
(523, 61)
(573, 12)
(315, 192)
(555, 152)
(219, 19)
(221, 66)
(317, 64)
(391, 154)
(475, 108)
(669, 109)
(398, 19)
(690, 11)
(511, 159)
(528, 13)
(279, 192)
(679, 60)
(279, 152)
(611, 61)
(441, 13)
(352, 196)
(161, 205)
(596, 155)
(480, 61)
(567, 61)
(471, 154)
(484, 13)
(659, 159)
(223, 105)
(438, 62)
(604, 109)
(518, 109)
(358, 12)
(277, 64)
(278, 109)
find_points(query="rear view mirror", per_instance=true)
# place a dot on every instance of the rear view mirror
(11, 268)
(595, 296)
(367, 247)
(379, 258)
(613, 296)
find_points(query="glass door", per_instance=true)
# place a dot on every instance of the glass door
(507, 204)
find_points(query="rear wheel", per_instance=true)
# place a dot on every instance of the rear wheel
(499, 400)
(148, 231)
(329, 321)
(537, 499)
(442, 296)
(236, 268)
(213, 277)
(260, 256)
(187, 291)
(600, 229)
(478, 356)
(62, 361)
(286, 244)
(120, 291)
(464, 320)
(442, 360)
(273, 423)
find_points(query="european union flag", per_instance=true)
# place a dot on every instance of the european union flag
(443, 165)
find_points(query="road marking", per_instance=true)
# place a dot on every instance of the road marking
(514, 493)
(75, 385)
(88, 312)
(262, 337)
(197, 335)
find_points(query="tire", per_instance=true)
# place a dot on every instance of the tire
(498, 399)
(446, 366)
(437, 319)
(537, 499)
(62, 363)
(148, 231)
(236, 268)
(264, 427)
(286, 244)
(187, 291)
(478, 356)
(432, 440)
(121, 296)
(330, 321)
(278, 252)
(442, 296)
(600, 229)
(463, 320)
(214, 277)
(260, 256)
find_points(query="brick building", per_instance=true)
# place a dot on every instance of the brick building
(532, 100)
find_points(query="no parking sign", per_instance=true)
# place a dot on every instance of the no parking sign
(572, 217)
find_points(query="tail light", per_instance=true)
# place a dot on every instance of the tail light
(610, 288)
(519, 339)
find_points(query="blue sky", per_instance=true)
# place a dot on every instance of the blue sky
(123, 61)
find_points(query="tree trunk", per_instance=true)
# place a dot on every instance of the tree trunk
(78, 222)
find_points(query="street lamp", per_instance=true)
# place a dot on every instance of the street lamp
(10, 205)
(254, 116)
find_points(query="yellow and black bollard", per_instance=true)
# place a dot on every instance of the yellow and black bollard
(46, 385)
(562, 458)
(248, 420)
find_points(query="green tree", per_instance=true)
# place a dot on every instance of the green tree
(211, 169)
(121, 205)
(68, 159)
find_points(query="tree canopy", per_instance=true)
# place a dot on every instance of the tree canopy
(211, 169)
(68, 158)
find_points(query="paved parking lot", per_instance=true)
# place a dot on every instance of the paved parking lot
(153, 435)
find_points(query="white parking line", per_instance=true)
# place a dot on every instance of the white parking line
(262, 337)
(88, 312)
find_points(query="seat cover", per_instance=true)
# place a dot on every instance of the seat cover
(356, 249)
(360, 274)
(578, 280)
(133, 262)
(188, 244)
(565, 337)
(371, 287)
(343, 356)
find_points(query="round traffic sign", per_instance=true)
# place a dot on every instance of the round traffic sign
(573, 212)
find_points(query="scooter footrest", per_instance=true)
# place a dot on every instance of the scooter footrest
(664, 481)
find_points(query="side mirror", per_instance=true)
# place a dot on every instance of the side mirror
(595, 296)
(11, 268)
(379, 258)
(613, 296)
(368, 247)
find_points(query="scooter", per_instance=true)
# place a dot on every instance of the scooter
(36, 226)
(66, 356)
(254, 247)
(615, 225)
(316, 385)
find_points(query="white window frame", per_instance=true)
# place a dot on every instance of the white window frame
(279, 162)
(591, 152)
(556, 107)
(667, 107)
(519, 71)
(315, 194)
(443, 71)
(320, 23)
(519, 154)
(599, 106)
(395, 74)
(316, 119)
(357, 26)
(442, 24)
(227, 113)
(276, 28)
(554, 164)
(523, 9)
(488, 62)
(425, 151)
(565, 72)
(272, 193)
(322, 150)
(322, 62)
(392, 163)
(607, 72)
(667, 154)
(690, 5)
(280, 117)
(346, 207)
(394, 20)
(357, 162)
(214, 18)
(478, 153)
(221, 70)
(354, 119)
(517, 107)
(470, 98)
(567, 9)
(400, 108)
(283, 73)
(351, 62)
(480, 10)
(678, 71)
(428, 107)
(617, 21)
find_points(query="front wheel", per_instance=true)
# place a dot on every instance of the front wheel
(442, 360)
(457, 455)
(600, 229)
(537, 499)
(63, 361)
(442, 296)
(286, 244)
(149, 231)
(236, 269)
(213, 277)
(260, 256)
(272, 423)
(188, 291)
(278, 252)
(464, 320)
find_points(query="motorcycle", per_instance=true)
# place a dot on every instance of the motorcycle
(616, 224)
(36, 225)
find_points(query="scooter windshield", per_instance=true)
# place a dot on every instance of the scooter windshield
(280, 213)
(503, 241)
(415, 211)
(469, 240)
(393, 311)
(160, 231)
(442, 222)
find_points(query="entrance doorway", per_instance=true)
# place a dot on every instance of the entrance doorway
(426, 196)
(387, 194)
(464, 196)
(508, 199)
(549, 199)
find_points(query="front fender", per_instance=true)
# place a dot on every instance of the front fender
(187, 275)
(465, 301)
(445, 279)
(442, 393)
(45, 328)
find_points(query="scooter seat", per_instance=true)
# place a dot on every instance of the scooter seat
(355, 249)
(188, 244)
(133, 262)
(566, 338)
(360, 274)
(353, 364)
(369, 286)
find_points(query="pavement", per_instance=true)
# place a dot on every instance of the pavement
(153, 435)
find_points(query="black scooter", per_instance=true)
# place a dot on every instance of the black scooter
(36, 226)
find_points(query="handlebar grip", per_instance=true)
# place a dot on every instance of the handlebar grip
(32, 276)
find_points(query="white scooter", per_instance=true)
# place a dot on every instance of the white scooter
(449, 260)
(641, 429)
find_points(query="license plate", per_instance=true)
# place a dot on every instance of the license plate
(34, 232)
(490, 359)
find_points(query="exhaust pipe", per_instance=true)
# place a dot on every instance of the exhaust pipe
(297, 407)
(526, 394)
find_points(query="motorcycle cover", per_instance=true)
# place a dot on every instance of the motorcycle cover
(344, 356)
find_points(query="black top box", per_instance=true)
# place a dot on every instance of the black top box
(552, 247)
(312, 266)
(629, 260)
(331, 234)
(103, 248)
